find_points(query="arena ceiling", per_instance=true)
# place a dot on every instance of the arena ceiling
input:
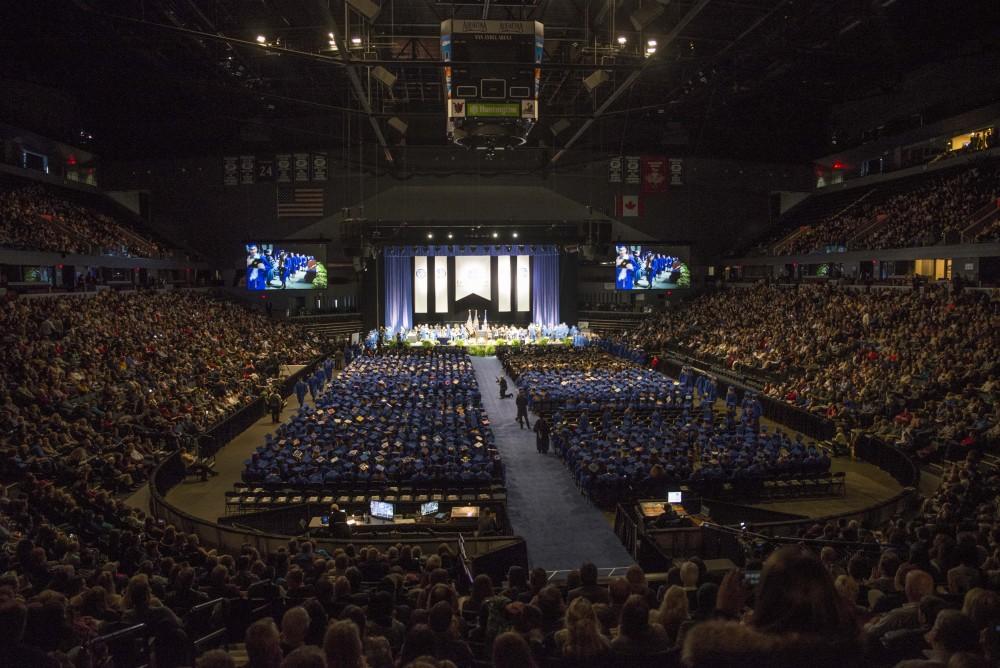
(734, 78)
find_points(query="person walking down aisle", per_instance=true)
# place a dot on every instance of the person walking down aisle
(503, 387)
(542, 435)
(522, 409)
(274, 404)
(300, 391)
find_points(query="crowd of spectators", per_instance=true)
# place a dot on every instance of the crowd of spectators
(93, 387)
(917, 368)
(404, 415)
(34, 218)
(936, 210)
(918, 593)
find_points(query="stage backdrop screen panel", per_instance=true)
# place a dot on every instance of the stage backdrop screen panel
(420, 284)
(503, 283)
(523, 283)
(285, 265)
(472, 276)
(650, 267)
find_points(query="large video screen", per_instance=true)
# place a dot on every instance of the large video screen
(651, 267)
(285, 266)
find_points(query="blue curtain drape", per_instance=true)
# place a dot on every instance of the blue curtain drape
(398, 293)
(545, 289)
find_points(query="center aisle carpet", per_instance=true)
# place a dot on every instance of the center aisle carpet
(562, 528)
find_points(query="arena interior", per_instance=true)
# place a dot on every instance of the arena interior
(499, 333)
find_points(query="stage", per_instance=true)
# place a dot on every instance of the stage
(437, 286)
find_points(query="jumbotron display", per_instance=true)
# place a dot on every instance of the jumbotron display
(285, 266)
(639, 267)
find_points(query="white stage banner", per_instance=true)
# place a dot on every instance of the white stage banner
(440, 284)
(420, 284)
(523, 283)
(472, 276)
(503, 284)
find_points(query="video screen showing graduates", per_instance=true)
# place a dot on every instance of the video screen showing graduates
(285, 266)
(642, 267)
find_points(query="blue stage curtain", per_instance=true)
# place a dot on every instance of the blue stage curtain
(398, 293)
(545, 289)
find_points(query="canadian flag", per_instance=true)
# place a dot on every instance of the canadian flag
(628, 205)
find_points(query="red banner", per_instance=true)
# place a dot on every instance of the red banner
(654, 174)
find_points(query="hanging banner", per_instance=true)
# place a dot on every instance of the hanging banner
(676, 171)
(230, 170)
(633, 170)
(615, 170)
(265, 170)
(654, 174)
(283, 168)
(300, 166)
(246, 169)
(319, 167)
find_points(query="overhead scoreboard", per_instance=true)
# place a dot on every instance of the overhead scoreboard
(493, 84)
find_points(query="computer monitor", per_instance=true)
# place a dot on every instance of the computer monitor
(382, 510)
(674, 497)
(429, 508)
(465, 512)
(325, 520)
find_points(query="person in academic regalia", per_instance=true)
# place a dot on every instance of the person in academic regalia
(522, 409)
(542, 435)
(300, 391)
(624, 269)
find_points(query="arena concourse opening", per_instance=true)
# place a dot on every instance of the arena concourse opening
(499, 334)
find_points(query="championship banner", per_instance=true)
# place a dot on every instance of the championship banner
(283, 167)
(654, 174)
(300, 166)
(615, 170)
(633, 170)
(230, 170)
(676, 171)
(247, 169)
(319, 166)
(265, 170)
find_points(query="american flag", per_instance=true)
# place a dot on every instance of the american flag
(296, 202)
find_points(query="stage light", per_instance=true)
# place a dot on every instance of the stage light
(595, 79)
(384, 75)
(650, 42)
(451, 236)
(398, 124)
(430, 235)
(356, 41)
(261, 39)
(645, 15)
(622, 40)
(515, 235)
(366, 7)
(496, 234)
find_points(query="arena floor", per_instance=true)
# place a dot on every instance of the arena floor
(544, 505)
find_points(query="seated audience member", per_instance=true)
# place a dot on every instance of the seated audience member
(798, 619)
(263, 644)
(342, 646)
(672, 613)
(294, 628)
(510, 650)
(951, 634)
(582, 637)
(918, 585)
(589, 589)
(636, 635)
